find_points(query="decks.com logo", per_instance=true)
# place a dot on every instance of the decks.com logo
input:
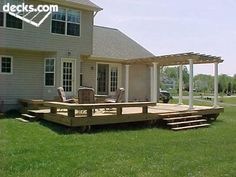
(34, 15)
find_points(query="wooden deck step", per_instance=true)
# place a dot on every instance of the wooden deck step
(190, 127)
(22, 120)
(183, 117)
(28, 117)
(187, 122)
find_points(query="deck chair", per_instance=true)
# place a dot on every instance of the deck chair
(117, 98)
(62, 96)
(86, 96)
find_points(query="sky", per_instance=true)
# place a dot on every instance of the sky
(170, 27)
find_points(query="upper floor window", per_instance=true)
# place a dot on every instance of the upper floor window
(66, 21)
(13, 22)
(9, 21)
(1, 19)
(49, 72)
(5, 65)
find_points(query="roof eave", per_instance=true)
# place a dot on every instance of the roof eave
(102, 59)
(75, 5)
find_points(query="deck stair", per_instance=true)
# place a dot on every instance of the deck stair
(184, 120)
(28, 117)
(34, 115)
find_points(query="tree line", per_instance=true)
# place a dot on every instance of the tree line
(202, 82)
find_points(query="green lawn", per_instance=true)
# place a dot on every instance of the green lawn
(231, 100)
(42, 149)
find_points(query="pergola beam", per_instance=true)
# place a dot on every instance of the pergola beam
(177, 59)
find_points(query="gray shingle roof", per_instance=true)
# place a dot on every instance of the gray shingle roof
(86, 3)
(111, 43)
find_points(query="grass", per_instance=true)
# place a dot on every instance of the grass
(231, 100)
(43, 149)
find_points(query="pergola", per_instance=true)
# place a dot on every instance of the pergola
(170, 60)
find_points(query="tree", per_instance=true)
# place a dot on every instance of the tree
(224, 80)
(203, 83)
(172, 73)
(220, 88)
(229, 87)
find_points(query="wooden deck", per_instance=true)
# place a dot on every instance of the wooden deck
(128, 114)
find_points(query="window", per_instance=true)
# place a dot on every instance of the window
(49, 72)
(66, 22)
(6, 65)
(59, 21)
(13, 22)
(1, 19)
(10, 21)
(73, 23)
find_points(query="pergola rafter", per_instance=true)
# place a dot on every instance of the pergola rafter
(176, 59)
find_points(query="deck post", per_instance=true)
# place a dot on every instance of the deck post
(191, 84)
(89, 112)
(71, 112)
(155, 82)
(180, 84)
(119, 111)
(127, 83)
(145, 109)
(151, 83)
(215, 85)
(53, 110)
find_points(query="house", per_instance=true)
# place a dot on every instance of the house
(35, 61)
(68, 50)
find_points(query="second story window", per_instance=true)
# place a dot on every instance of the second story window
(9, 21)
(66, 22)
(1, 19)
(73, 23)
(13, 22)
(59, 22)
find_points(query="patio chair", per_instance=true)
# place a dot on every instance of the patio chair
(86, 95)
(62, 96)
(117, 98)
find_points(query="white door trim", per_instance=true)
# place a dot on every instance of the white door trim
(73, 61)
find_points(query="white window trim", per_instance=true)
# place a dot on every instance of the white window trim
(49, 72)
(65, 34)
(3, 73)
(5, 21)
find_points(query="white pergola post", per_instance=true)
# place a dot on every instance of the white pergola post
(181, 84)
(158, 82)
(215, 85)
(191, 84)
(151, 83)
(127, 83)
(155, 82)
